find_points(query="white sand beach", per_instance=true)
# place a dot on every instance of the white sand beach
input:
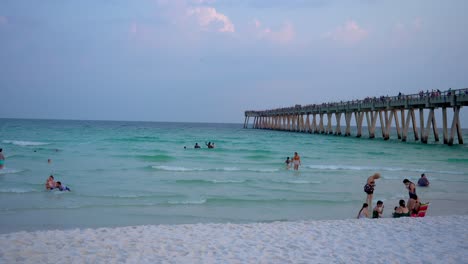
(405, 240)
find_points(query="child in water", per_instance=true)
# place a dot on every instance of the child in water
(378, 210)
(61, 187)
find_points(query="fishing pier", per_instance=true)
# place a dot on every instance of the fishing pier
(397, 111)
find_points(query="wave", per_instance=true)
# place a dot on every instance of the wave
(24, 143)
(155, 158)
(16, 190)
(201, 181)
(364, 168)
(299, 182)
(184, 169)
(201, 201)
(9, 171)
(226, 200)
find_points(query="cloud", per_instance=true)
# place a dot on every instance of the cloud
(208, 18)
(284, 35)
(350, 33)
(404, 32)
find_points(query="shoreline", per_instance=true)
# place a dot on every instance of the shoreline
(430, 239)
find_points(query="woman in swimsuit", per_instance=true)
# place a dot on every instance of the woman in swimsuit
(364, 212)
(411, 191)
(369, 187)
(296, 161)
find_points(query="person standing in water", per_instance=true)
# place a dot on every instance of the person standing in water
(2, 159)
(296, 161)
(369, 187)
(288, 163)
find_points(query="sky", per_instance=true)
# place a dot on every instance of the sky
(211, 60)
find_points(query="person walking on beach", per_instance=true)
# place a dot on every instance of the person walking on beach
(2, 159)
(364, 212)
(369, 187)
(296, 161)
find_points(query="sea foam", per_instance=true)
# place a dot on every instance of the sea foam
(24, 143)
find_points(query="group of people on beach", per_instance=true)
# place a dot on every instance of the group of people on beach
(296, 161)
(51, 184)
(403, 209)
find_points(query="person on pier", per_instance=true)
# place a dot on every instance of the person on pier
(296, 161)
(369, 187)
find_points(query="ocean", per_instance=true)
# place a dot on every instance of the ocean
(139, 173)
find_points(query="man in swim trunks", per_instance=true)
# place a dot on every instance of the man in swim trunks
(296, 161)
(2, 159)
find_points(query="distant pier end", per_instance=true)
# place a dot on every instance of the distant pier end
(398, 110)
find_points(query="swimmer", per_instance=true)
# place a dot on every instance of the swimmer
(2, 159)
(50, 183)
(61, 187)
(196, 146)
(423, 181)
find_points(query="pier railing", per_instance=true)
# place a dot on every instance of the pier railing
(385, 107)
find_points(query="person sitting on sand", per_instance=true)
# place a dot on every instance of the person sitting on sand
(378, 210)
(369, 187)
(401, 211)
(288, 162)
(423, 181)
(61, 187)
(50, 183)
(364, 212)
(197, 146)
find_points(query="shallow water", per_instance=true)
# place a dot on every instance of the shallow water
(130, 173)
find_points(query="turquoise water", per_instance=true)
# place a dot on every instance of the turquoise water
(132, 173)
